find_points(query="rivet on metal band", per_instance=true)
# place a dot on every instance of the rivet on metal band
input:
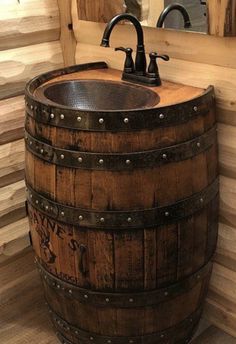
(67, 329)
(115, 120)
(124, 161)
(119, 220)
(123, 300)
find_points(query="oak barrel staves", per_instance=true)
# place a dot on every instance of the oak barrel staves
(123, 219)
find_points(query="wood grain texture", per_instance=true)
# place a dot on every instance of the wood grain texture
(226, 252)
(221, 312)
(21, 293)
(214, 335)
(187, 46)
(12, 119)
(28, 22)
(12, 203)
(67, 38)
(121, 261)
(227, 150)
(14, 238)
(221, 14)
(19, 277)
(11, 162)
(99, 11)
(19, 65)
(222, 17)
(222, 281)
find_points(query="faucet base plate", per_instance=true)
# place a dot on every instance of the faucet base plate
(146, 80)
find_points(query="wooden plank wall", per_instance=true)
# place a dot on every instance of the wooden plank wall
(197, 60)
(29, 45)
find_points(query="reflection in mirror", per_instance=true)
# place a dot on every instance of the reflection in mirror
(170, 14)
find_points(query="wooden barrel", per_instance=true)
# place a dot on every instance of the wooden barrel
(123, 211)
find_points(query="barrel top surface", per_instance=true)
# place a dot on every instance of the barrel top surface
(170, 93)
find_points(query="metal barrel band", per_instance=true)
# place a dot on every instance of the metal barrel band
(121, 121)
(134, 219)
(124, 300)
(50, 114)
(124, 161)
(60, 324)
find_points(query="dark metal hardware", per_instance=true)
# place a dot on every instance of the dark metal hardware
(129, 63)
(170, 8)
(161, 337)
(140, 60)
(121, 161)
(123, 220)
(153, 71)
(124, 300)
(137, 74)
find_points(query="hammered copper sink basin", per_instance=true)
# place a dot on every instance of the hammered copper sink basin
(99, 95)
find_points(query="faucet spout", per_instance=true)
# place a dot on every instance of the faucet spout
(140, 61)
(170, 8)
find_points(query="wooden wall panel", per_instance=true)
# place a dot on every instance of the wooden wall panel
(12, 203)
(99, 11)
(67, 38)
(28, 22)
(11, 119)
(29, 45)
(19, 65)
(186, 46)
(221, 313)
(14, 238)
(11, 162)
(222, 17)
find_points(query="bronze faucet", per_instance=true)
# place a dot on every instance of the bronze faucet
(140, 61)
(170, 8)
(135, 72)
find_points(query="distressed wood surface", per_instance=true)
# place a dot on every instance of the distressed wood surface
(19, 277)
(19, 65)
(12, 203)
(28, 22)
(12, 114)
(129, 260)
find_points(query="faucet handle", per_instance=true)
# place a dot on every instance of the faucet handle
(153, 71)
(129, 62)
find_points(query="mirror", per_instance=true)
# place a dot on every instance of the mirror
(216, 17)
(187, 15)
(148, 12)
